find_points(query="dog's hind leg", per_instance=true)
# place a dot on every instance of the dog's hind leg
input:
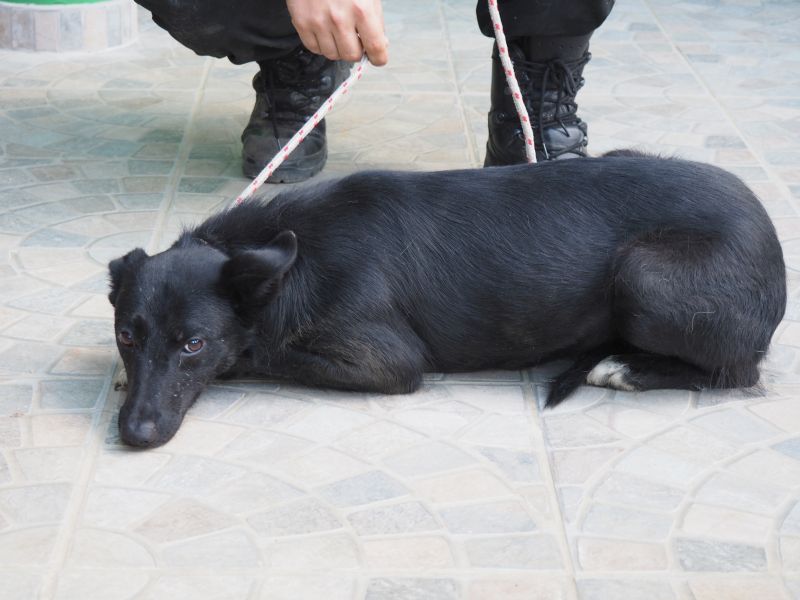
(695, 312)
(642, 372)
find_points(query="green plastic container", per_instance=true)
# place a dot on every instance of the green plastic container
(50, 2)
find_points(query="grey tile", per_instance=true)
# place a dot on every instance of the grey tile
(300, 517)
(411, 589)
(54, 238)
(116, 148)
(493, 517)
(516, 465)
(789, 448)
(97, 186)
(406, 517)
(528, 553)
(363, 489)
(70, 393)
(709, 555)
(35, 504)
(200, 185)
(791, 524)
(89, 204)
(5, 477)
(609, 589)
(150, 167)
(15, 399)
(26, 359)
(90, 333)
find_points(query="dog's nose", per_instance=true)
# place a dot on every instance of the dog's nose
(141, 433)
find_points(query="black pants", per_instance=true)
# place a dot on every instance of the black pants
(258, 30)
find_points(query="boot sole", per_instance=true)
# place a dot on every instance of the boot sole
(490, 160)
(291, 172)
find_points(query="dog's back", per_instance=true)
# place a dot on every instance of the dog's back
(475, 260)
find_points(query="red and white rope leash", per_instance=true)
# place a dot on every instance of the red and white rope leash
(511, 79)
(356, 74)
(298, 137)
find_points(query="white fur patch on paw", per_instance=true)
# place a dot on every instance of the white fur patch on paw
(121, 381)
(611, 373)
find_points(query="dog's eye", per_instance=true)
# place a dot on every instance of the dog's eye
(194, 345)
(125, 338)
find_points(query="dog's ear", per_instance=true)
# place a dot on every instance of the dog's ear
(253, 276)
(119, 267)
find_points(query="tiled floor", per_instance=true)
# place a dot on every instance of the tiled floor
(463, 490)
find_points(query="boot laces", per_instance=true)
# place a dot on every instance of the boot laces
(563, 77)
(295, 74)
(272, 111)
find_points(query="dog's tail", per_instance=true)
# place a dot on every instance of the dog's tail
(568, 381)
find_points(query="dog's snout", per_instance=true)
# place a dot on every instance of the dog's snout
(141, 433)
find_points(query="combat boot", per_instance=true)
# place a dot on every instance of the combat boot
(289, 90)
(550, 74)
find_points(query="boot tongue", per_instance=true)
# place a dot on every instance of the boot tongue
(292, 85)
(300, 67)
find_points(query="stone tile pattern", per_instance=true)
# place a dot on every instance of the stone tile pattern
(465, 489)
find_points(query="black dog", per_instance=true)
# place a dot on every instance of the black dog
(651, 273)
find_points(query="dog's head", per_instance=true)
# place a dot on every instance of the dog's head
(182, 318)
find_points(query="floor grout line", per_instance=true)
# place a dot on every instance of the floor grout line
(462, 112)
(180, 162)
(80, 489)
(101, 417)
(540, 444)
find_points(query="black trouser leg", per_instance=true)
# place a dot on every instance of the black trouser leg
(545, 18)
(243, 30)
(555, 28)
(548, 43)
(291, 83)
(257, 30)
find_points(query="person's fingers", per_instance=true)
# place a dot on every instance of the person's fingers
(379, 14)
(379, 10)
(373, 39)
(327, 45)
(309, 40)
(348, 44)
(341, 30)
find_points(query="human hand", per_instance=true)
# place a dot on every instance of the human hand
(341, 29)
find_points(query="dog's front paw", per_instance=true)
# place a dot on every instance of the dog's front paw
(612, 373)
(121, 381)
